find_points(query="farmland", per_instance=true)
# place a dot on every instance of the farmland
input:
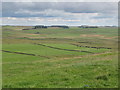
(59, 58)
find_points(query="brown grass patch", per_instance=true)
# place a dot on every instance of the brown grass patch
(99, 36)
(93, 35)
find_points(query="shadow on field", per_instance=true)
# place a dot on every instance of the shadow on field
(92, 47)
(63, 49)
(47, 38)
(24, 53)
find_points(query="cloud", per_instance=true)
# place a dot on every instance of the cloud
(74, 7)
(70, 13)
(45, 13)
(79, 19)
(61, 1)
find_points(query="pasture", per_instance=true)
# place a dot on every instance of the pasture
(59, 58)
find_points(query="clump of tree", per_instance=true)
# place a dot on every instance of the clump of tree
(40, 26)
(86, 26)
(60, 26)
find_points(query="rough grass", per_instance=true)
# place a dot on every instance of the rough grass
(64, 69)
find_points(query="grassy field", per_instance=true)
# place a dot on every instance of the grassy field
(60, 58)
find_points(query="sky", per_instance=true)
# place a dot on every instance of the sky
(60, 13)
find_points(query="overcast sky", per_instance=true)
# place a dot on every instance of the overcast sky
(60, 13)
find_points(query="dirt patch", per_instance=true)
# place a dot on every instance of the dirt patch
(88, 35)
(94, 35)
(108, 38)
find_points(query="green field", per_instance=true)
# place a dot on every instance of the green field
(59, 58)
